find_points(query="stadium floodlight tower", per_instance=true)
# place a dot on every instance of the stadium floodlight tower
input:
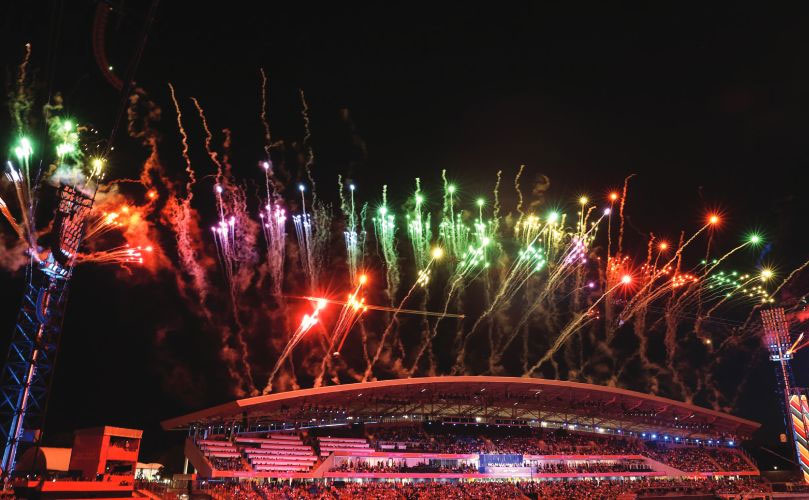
(779, 343)
(28, 372)
(796, 408)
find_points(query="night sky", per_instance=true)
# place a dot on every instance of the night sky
(709, 106)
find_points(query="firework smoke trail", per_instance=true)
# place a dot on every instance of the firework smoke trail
(208, 137)
(496, 196)
(341, 194)
(322, 221)
(519, 192)
(621, 213)
(573, 326)
(179, 218)
(672, 318)
(307, 142)
(21, 101)
(307, 323)
(263, 115)
(349, 315)
(140, 128)
(182, 218)
(189, 193)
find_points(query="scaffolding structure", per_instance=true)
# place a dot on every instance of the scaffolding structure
(27, 375)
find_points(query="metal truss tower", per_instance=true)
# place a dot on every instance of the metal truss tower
(28, 372)
(779, 343)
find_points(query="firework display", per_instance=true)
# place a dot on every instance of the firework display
(48, 254)
(308, 287)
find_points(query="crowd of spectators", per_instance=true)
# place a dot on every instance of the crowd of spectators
(362, 466)
(226, 463)
(451, 439)
(696, 459)
(593, 467)
(574, 490)
(546, 468)
(415, 438)
(405, 437)
(730, 460)
(533, 441)
(688, 459)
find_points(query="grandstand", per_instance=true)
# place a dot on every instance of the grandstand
(464, 428)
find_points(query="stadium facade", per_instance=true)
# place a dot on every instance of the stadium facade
(465, 427)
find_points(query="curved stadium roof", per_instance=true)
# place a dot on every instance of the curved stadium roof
(477, 398)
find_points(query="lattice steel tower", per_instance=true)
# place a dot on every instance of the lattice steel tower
(779, 343)
(28, 372)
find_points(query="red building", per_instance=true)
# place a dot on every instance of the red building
(102, 465)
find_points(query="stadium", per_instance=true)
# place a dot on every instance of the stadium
(480, 435)
(448, 253)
